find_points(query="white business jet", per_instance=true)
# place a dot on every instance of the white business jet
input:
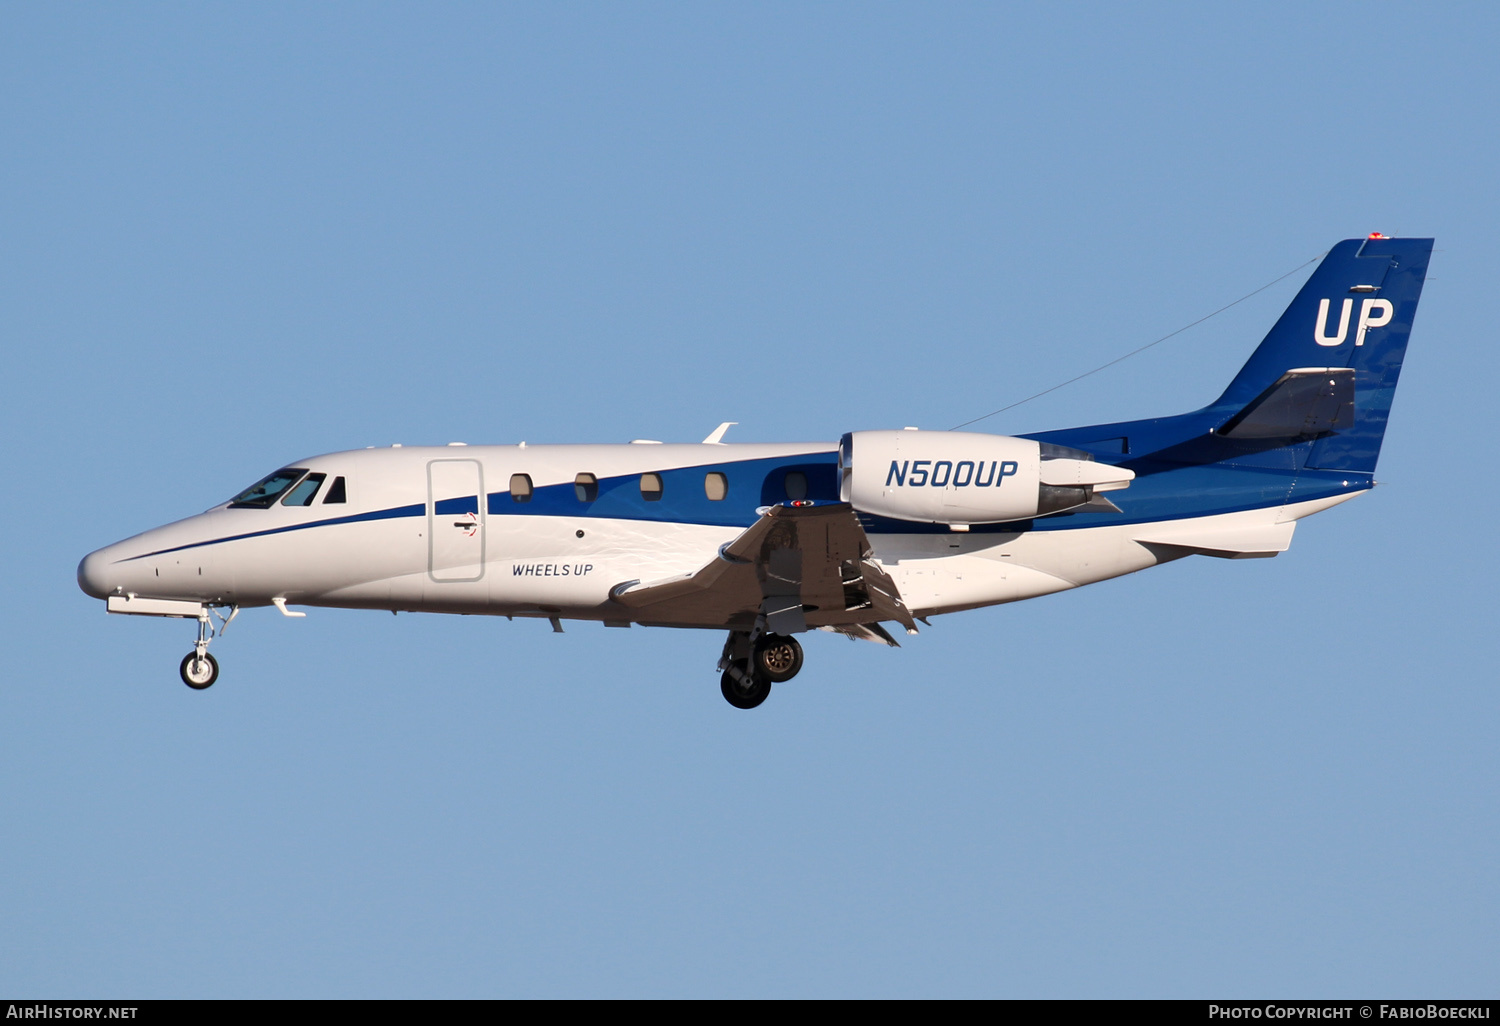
(769, 541)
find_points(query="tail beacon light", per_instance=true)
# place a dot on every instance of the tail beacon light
(961, 478)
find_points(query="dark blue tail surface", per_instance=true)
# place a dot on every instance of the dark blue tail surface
(1307, 413)
(1355, 312)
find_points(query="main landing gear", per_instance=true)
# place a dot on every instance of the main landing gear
(199, 670)
(752, 662)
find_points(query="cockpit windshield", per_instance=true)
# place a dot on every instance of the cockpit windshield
(266, 491)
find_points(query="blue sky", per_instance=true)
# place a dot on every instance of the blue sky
(238, 235)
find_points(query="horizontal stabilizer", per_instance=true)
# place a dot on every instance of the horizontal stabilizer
(1303, 403)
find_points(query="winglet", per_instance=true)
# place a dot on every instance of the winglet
(717, 436)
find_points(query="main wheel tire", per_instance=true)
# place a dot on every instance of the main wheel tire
(777, 658)
(199, 673)
(740, 696)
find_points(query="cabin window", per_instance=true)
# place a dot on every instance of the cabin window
(715, 485)
(305, 492)
(520, 487)
(267, 490)
(651, 488)
(796, 485)
(335, 493)
(586, 487)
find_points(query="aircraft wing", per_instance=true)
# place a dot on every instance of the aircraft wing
(801, 567)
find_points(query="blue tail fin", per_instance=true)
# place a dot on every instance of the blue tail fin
(1354, 314)
(1315, 394)
(1303, 419)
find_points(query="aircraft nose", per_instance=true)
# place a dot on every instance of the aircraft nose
(93, 574)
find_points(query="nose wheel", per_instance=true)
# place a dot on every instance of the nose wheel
(199, 670)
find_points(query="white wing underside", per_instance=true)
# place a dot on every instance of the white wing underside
(800, 568)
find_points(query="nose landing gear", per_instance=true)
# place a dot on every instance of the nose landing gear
(198, 669)
(752, 662)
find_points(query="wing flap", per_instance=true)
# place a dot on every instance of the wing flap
(864, 632)
(800, 567)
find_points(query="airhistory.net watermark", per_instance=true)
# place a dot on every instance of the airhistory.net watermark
(42, 1010)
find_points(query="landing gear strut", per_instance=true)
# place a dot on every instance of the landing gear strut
(199, 670)
(752, 662)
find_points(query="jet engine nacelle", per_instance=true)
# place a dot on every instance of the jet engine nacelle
(960, 478)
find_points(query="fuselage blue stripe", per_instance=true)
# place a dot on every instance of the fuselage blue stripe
(417, 510)
(1162, 491)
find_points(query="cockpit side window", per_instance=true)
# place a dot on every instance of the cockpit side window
(335, 493)
(267, 490)
(305, 492)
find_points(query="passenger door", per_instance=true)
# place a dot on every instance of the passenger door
(455, 520)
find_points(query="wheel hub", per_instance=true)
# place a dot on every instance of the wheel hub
(779, 659)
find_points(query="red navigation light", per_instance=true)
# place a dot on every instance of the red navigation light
(1376, 235)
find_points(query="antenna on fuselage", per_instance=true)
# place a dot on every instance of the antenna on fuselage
(716, 437)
